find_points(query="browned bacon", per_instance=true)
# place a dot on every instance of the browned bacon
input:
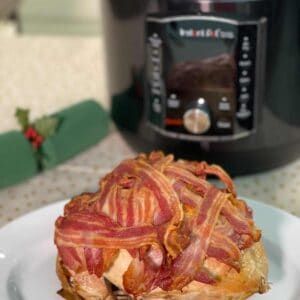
(96, 230)
(167, 215)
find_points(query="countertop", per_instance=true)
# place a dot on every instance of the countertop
(54, 72)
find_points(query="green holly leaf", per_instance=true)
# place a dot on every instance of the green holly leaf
(22, 116)
(46, 126)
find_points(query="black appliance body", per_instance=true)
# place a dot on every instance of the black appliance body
(207, 80)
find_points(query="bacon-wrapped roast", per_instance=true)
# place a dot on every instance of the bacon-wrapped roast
(158, 229)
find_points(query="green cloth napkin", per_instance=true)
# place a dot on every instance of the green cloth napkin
(80, 126)
(17, 158)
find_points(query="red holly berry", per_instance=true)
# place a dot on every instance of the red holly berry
(30, 133)
(37, 141)
(34, 137)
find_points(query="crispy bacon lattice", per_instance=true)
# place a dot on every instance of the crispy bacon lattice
(166, 214)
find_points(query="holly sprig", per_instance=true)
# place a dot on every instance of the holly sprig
(37, 131)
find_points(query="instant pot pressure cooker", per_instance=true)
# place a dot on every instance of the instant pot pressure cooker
(207, 80)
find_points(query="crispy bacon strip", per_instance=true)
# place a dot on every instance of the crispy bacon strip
(83, 202)
(168, 217)
(239, 222)
(222, 175)
(72, 258)
(96, 230)
(202, 169)
(168, 203)
(224, 249)
(191, 259)
(200, 185)
(160, 203)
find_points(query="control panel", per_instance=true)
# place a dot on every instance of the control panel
(203, 76)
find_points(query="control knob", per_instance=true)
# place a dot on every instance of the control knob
(197, 119)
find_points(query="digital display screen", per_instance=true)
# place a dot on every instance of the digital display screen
(199, 55)
(186, 44)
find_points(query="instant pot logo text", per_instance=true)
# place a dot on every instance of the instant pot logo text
(217, 33)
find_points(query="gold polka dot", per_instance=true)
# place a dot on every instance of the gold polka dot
(281, 185)
(33, 193)
(294, 190)
(9, 219)
(1, 206)
(17, 209)
(266, 190)
(274, 198)
(29, 204)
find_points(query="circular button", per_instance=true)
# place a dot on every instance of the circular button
(196, 120)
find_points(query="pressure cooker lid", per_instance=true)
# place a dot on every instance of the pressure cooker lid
(210, 5)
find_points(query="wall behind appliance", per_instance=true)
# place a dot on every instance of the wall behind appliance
(51, 56)
(65, 17)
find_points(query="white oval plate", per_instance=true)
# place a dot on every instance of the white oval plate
(27, 254)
